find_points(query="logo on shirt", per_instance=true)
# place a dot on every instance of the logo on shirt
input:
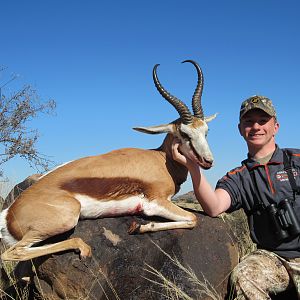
(283, 176)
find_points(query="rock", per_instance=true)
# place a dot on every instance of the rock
(120, 261)
(118, 268)
(19, 188)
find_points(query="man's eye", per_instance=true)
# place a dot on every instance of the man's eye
(263, 121)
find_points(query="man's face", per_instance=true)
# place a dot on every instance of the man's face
(258, 128)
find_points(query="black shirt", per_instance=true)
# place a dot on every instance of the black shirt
(274, 186)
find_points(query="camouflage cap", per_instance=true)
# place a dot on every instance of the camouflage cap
(258, 102)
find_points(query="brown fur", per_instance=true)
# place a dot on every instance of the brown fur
(197, 122)
(49, 207)
(86, 176)
(106, 188)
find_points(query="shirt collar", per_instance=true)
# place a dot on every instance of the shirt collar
(277, 158)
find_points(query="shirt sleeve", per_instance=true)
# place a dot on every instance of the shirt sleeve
(231, 184)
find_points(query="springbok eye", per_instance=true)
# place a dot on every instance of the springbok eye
(184, 135)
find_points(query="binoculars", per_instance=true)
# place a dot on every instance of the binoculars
(284, 220)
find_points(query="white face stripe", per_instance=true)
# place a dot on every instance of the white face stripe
(197, 137)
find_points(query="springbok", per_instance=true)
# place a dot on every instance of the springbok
(122, 182)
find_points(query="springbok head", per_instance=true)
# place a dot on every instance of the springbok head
(190, 129)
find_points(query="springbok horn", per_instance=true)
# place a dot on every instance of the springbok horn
(181, 108)
(196, 102)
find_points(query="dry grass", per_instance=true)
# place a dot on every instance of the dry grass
(98, 275)
(237, 221)
(201, 287)
(11, 288)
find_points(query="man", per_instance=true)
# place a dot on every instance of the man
(261, 186)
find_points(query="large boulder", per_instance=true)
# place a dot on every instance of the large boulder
(136, 266)
(123, 264)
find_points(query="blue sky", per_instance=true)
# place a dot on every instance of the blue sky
(95, 58)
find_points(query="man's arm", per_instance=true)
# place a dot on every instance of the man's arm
(213, 202)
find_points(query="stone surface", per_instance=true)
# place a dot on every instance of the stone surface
(118, 268)
(119, 262)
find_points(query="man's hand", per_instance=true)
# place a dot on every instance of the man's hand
(176, 153)
(179, 157)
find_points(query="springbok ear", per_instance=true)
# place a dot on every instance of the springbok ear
(155, 129)
(210, 118)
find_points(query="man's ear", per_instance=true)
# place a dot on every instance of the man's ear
(276, 127)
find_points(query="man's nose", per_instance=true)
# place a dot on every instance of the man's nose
(255, 125)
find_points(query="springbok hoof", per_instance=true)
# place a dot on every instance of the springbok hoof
(85, 252)
(85, 256)
(134, 228)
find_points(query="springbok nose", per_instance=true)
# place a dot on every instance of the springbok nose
(209, 161)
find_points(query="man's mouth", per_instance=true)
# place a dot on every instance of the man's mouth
(255, 134)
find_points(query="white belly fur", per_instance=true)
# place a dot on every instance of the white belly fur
(94, 208)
